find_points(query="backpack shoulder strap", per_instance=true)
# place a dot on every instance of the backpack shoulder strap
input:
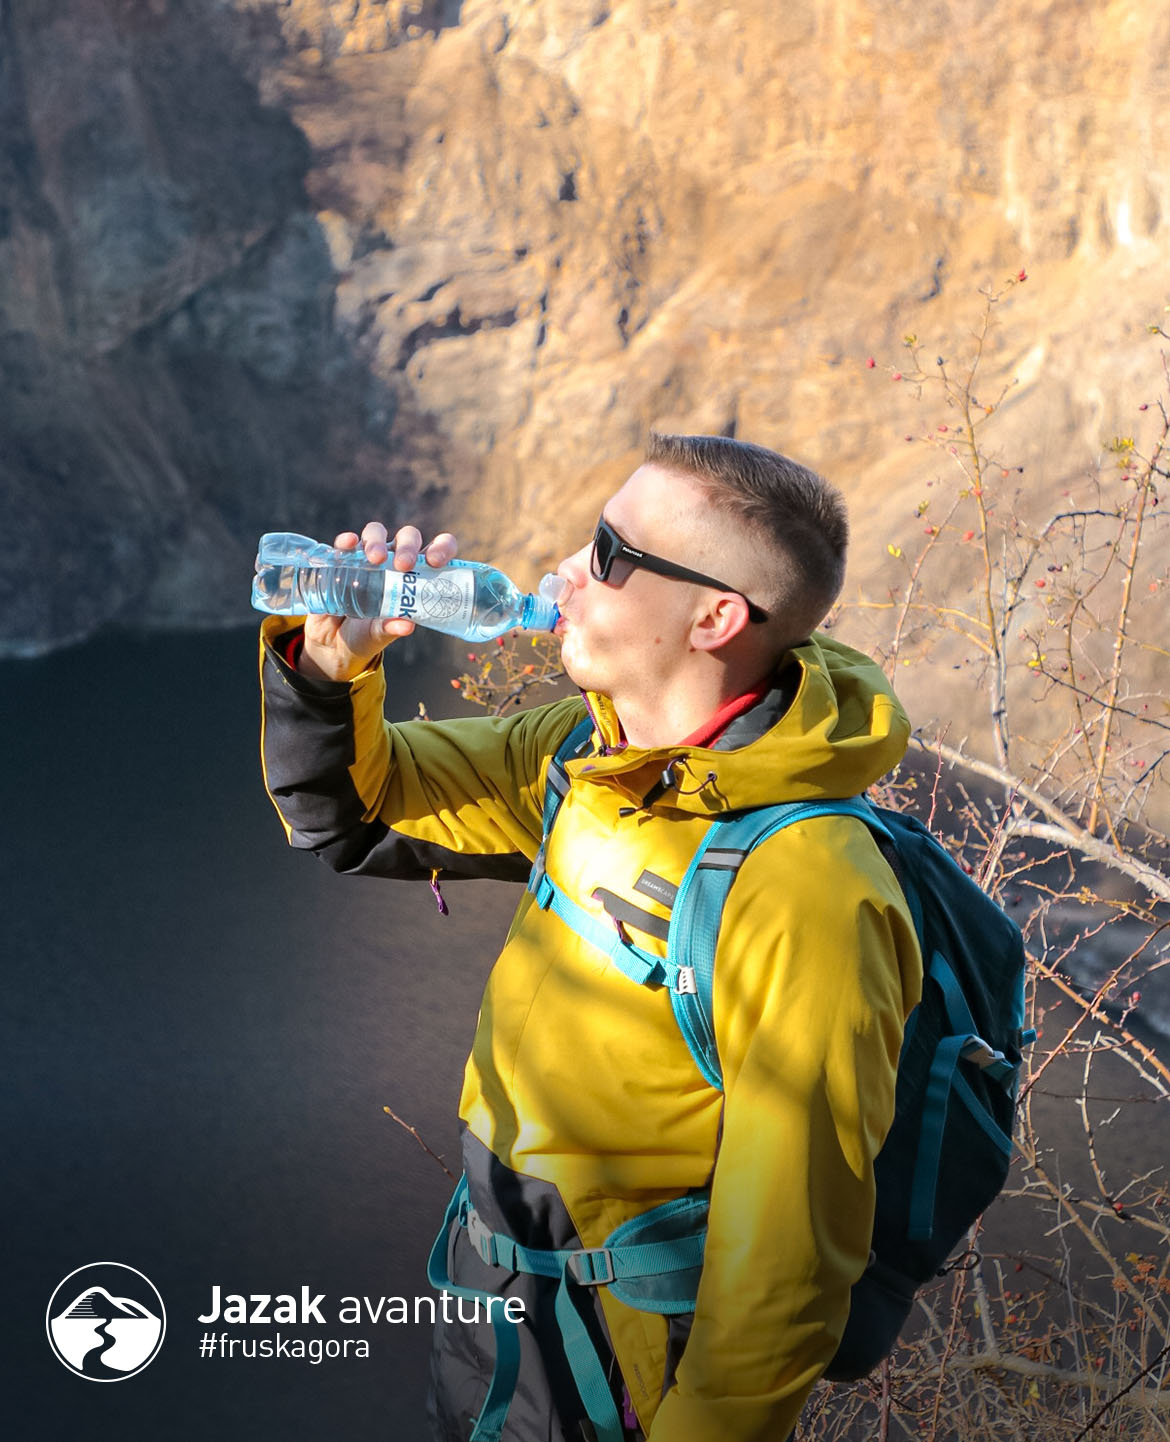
(698, 908)
(556, 782)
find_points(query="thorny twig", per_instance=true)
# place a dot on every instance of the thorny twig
(415, 1134)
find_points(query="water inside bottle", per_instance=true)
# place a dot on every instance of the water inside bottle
(332, 590)
(272, 588)
(495, 601)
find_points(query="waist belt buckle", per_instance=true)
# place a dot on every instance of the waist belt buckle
(591, 1267)
(481, 1238)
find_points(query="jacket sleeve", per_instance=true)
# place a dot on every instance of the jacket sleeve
(816, 970)
(461, 797)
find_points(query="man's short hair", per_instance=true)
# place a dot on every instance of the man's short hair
(796, 513)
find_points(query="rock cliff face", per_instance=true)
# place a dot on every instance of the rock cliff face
(172, 378)
(267, 264)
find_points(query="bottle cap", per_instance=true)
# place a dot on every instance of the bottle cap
(545, 613)
(552, 587)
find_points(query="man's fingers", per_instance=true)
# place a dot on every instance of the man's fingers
(442, 549)
(407, 545)
(373, 539)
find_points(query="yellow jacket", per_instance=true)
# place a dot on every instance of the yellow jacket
(581, 1079)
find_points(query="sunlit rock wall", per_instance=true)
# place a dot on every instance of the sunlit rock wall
(277, 263)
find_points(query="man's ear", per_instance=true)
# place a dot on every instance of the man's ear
(722, 619)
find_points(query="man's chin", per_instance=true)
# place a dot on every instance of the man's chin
(575, 669)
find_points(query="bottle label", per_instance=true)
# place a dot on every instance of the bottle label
(445, 598)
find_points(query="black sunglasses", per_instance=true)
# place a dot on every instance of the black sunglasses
(613, 559)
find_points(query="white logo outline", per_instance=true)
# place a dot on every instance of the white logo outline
(133, 1303)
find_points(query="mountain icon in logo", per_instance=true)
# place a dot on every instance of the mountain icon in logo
(99, 1333)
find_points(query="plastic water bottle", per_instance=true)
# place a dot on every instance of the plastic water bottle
(296, 576)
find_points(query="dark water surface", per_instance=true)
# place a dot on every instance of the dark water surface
(201, 1030)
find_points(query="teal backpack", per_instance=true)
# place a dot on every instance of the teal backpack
(947, 1152)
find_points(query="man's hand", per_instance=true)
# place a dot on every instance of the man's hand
(338, 648)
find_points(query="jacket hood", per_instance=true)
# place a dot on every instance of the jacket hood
(841, 729)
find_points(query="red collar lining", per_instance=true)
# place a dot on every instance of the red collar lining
(711, 730)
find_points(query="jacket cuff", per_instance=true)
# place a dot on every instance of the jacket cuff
(282, 638)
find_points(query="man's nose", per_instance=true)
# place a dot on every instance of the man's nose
(575, 568)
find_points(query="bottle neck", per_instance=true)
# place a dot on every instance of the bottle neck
(538, 613)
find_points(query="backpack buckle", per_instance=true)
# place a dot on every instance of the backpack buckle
(591, 1267)
(687, 985)
(482, 1239)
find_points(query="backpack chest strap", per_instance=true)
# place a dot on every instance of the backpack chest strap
(609, 937)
